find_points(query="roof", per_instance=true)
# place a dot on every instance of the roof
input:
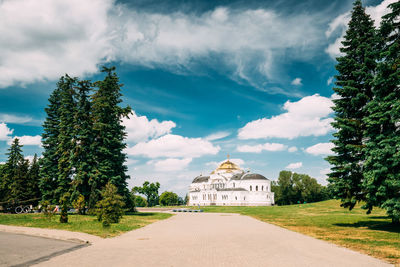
(201, 179)
(253, 176)
(237, 176)
(227, 166)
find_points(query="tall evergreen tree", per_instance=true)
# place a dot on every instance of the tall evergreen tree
(33, 179)
(16, 171)
(356, 70)
(83, 158)
(2, 182)
(109, 137)
(382, 164)
(66, 137)
(51, 131)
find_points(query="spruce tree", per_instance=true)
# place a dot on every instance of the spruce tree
(109, 138)
(66, 138)
(33, 180)
(382, 164)
(15, 174)
(51, 131)
(83, 158)
(354, 81)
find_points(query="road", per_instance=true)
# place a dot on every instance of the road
(24, 250)
(210, 239)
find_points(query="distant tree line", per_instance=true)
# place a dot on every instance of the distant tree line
(366, 163)
(19, 178)
(150, 190)
(294, 188)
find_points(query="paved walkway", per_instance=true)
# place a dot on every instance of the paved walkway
(24, 250)
(210, 239)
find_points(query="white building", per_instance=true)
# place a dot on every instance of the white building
(230, 185)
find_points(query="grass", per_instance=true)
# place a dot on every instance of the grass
(84, 223)
(371, 234)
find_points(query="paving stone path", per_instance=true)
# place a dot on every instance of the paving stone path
(210, 239)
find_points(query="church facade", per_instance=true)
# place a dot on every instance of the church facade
(229, 185)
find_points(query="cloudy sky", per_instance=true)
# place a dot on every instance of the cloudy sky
(252, 79)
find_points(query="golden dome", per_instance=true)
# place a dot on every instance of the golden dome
(227, 166)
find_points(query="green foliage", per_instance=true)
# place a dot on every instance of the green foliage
(150, 190)
(80, 204)
(292, 188)
(66, 137)
(15, 183)
(110, 208)
(382, 161)
(140, 201)
(169, 199)
(367, 113)
(33, 179)
(354, 88)
(47, 209)
(83, 140)
(83, 157)
(110, 134)
(49, 162)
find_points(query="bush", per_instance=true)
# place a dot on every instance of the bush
(47, 209)
(110, 208)
(140, 201)
(79, 204)
(168, 199)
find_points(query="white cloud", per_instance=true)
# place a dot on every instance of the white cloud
(30, 158)
(139, 128)
(340, 24)
(174, 146)
(5, 132)
(217, 135)
(330, 80)
(170, 164)
(325, 171)
(43, 39)
(306, 117)
(82, 35)
(292, 149)
(9, 118)
(321, 149)
(27, 140)
(296, 81)
(295, 165)
(261, 147)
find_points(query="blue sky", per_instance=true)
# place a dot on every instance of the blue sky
(252, 79)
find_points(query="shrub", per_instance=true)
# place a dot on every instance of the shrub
(79, 204)
(110, 208)
(168, 199)
(140, 201)
(47, 209)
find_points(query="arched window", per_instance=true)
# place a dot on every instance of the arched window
(233, 185)
(256, 187)
(251, 188)
(262, 188)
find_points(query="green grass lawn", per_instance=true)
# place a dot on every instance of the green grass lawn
(84, 223)
(371, 234)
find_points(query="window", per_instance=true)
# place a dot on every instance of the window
(256, 187)
(233, 185)
(262, 188)
(251, 188)
(235, 198)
